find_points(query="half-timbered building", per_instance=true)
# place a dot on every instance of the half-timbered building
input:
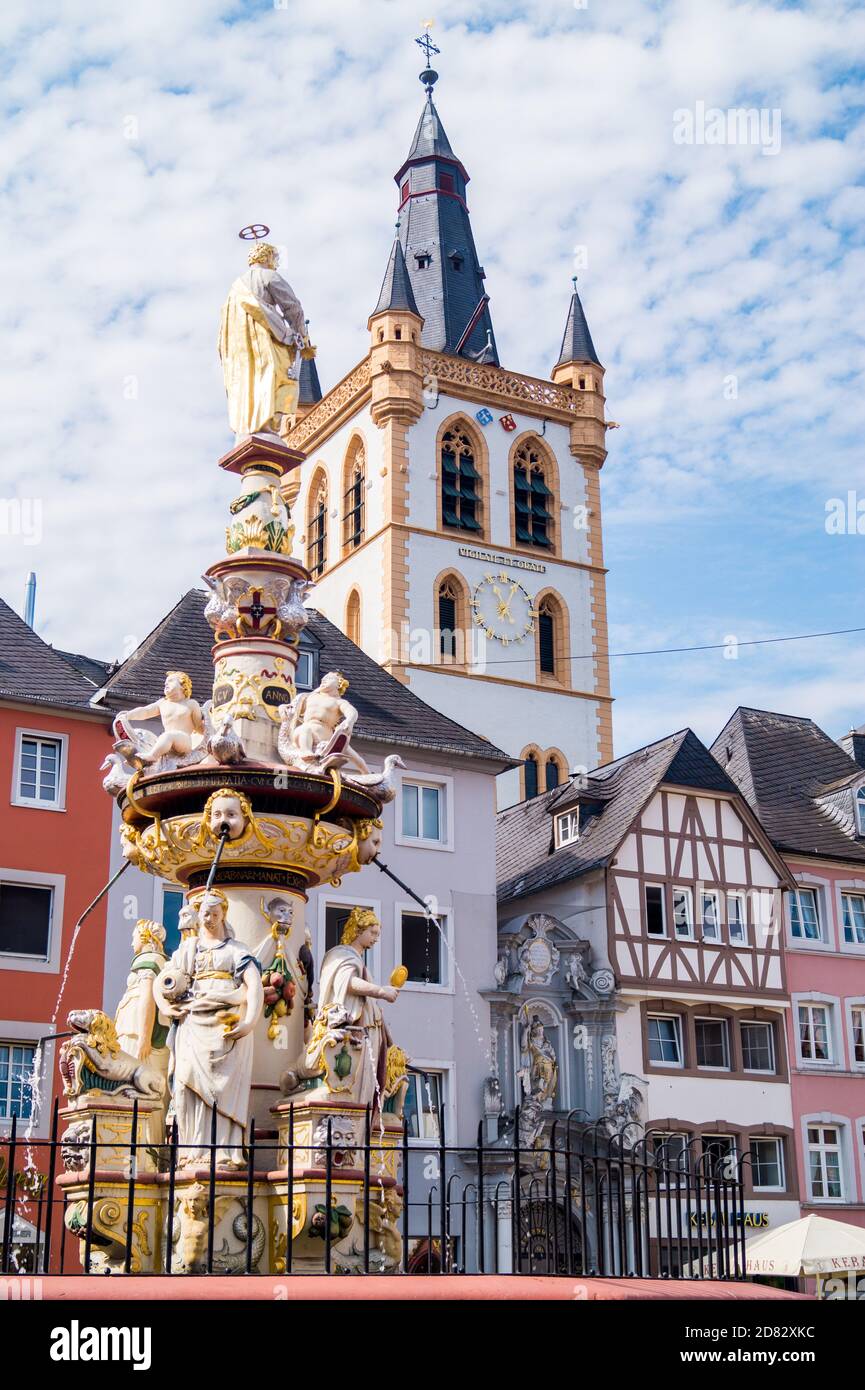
(654, 874)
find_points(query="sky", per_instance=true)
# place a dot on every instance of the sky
(722, 272)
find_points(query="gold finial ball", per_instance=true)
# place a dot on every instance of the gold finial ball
(398, 976)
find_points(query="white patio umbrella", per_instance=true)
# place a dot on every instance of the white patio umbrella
(811, 1245)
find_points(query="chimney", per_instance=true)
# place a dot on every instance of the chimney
(30, 599)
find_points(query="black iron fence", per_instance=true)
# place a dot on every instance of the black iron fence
(579, 1202)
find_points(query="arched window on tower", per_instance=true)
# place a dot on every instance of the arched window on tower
(447, 616)
(530, 776)
(461, 483)
(547, 638)
(533, 499)
(354, 485)
(552, 773)
(316, 530)
(352, 618)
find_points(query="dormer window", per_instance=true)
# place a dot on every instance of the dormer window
(860, 811)
(404, 191)
(456, 260)
(446, 183)
(567, 828)
(423, 259)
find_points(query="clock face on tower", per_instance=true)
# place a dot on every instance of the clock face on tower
(503, 609)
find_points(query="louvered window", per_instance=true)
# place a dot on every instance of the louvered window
(461, 481)
(547, 640)
(531, 776)
(447, 618)
(316, 548)
(353, 503)
(551, 774)
(533, 519)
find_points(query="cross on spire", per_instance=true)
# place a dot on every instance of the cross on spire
(426, 42)
(429, 76)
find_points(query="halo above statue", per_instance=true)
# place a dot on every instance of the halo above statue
(254, 232)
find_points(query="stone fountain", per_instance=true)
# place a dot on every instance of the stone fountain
(246, 803)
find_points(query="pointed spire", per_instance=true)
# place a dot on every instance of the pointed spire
(396, 291)
(310, 386)
(577, 345)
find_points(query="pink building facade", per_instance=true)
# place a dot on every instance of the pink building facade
(809, 794)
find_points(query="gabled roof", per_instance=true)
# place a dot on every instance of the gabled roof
(615, 793)
(396, 291)
(790, 772)
(388, 712)
(577, 345)
(31, 670)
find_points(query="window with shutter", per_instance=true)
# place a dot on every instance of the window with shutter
(533, 499)
(547, 640)
(530, 773)
(461, 483)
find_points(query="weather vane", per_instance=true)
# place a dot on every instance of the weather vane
(428, 77)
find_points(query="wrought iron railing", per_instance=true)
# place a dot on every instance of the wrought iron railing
(581, 1203)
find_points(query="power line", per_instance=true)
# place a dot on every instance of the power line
(705, 647)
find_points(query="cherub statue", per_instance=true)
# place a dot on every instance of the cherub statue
(316, 728)
(183, 724)
(212, 989)
(262, 337)
(349, 1044)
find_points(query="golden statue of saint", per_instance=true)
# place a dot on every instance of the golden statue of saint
(262, 336)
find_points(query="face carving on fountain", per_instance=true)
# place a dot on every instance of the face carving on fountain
(226, 814)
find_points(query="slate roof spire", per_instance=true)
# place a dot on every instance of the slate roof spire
(577, 345)
(435, 235)
(396, 292)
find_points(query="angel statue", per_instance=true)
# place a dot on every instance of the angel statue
(262, 338)
(184, 726)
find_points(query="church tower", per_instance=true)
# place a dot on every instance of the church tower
(450, 509)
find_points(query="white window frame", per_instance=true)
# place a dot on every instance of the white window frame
(846, 890)
(794, 897)
(716, 897)
(859, 808)
(33, 964)
(28, 1034)
(710, 1169)
(445, 788)
(326, 900)
(760, 1023)
(48, 735)
(823, 941)
(448, 1075)
(778, 1141)
(850, 1007)
(447, 948)
(740, 896)
(656, 936)
(842, 1124)
(707, 1066)
(680, 1032)
(817, 1001)
(571, 819)
(687, 897)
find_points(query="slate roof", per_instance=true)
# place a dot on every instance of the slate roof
(577, 345)
(783, 764)
(396, 291)
(434, 222)
(308, 382)
(388, 712)
(612, 796)
(32, 670)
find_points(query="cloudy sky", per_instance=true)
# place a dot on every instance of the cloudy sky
(724, 284)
